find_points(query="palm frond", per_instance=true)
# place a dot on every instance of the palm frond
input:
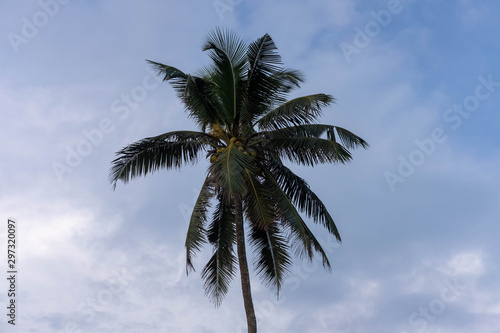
(308, 130)
(196, 234)
(197, 94)
(302, 196)
(286, 80)
(263, 57)
(258, 203)
(228, 43)
(348, 139)
(270, 92)
(169, 73)
(220, 269)
(230, 170)
(302, 238)
(166, 151)
(307, 150)
(228, 54)
(298, 111)
(263, 63)
(272, 260)
(302, 234)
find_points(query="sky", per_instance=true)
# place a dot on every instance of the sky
(418, 212)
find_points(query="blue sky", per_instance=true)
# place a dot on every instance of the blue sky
(418, 212)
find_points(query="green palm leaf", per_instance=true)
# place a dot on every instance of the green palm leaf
(176, 76)
(229, 171)
(169, 150)
(197, 94)
(228, 54)
(272, 261)
(302, 238)
(298, 111)
(258, 203)
(196, 234)
(264, 82)
(307, 150)
(220, 269)
(349, 139)
(302, 196)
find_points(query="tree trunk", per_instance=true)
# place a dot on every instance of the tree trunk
(243, 264)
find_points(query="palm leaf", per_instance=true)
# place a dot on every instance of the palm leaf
(302, 238)
(263, 58)
(286, 80)
(228, 54)
(349, 139)
(302, 196)
(196, 234)
(177, 77)
(197, 94)
(230, 170)
(298, 111)
(166, 151)
(307, 237)
(272, 261)
(258, 203)
(307, 150)
(220, 269)
(224, 44)
(263, 63)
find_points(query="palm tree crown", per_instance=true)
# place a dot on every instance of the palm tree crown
(248, 129)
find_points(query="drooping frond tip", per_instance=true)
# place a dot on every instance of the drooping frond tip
(226, 41)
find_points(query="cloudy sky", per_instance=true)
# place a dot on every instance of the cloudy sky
(418, 212)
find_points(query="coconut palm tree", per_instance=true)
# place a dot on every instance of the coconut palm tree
(248, 129)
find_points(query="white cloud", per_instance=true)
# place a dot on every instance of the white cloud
(467, 263)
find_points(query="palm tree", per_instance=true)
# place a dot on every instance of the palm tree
(248, 129)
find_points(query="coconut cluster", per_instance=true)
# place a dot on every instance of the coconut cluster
(238, 142)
